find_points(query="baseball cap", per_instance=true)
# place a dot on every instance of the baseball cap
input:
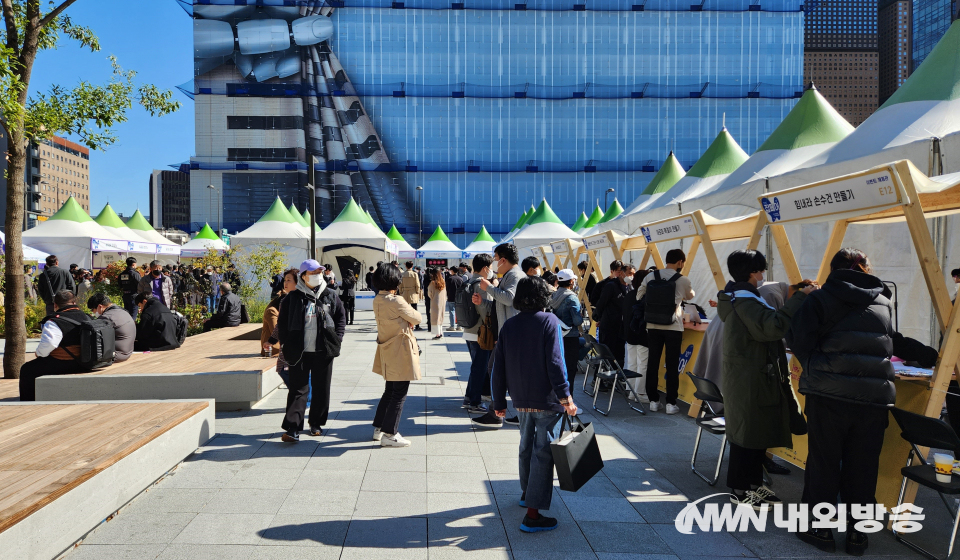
(310, 265)
(565, 275)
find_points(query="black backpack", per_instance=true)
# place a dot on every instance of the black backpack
(467, 314)
(181, 327)
(659, 303)
(97, 343)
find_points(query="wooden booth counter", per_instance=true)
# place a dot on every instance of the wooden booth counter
(689, 350)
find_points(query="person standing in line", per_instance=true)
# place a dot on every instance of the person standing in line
(54, 280)
(310, 328)
(425, 279)
(410, 288)
(29, 289)
(397, 358)
(84, 286)
(348, 295)
(368, 279)
(160, 286)
(437, 296)
(666, 338)
(529, 363)
(212, 287)
(843, 336)
(454, 283)
(479, 357)
(530, 266)
(566, 306)
(608, 310)
(635, 350)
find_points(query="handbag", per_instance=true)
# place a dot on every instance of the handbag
(576, 454)
(486, 334)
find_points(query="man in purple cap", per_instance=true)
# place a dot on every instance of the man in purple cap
(310, 328)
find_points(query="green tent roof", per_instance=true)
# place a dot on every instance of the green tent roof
(72, 211)
(543, 214)
(438, 235)
(207, 233)
(723, 156)
(670, 172)
(295, 214)
(483, 235)
(578, 225)
(522, 220)
(594, 218)
(371, 220)
(612, 212)
(394, 234)
(352, 213)
(138, 222)
(938, 77)
(277, 213)
(109, 218)
(812, 121)
(306, 220)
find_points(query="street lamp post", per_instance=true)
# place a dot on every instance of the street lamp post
(219, 207)
(605, 205)
(311, 185)
(420, 216)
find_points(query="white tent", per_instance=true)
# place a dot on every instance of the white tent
(438, 246)
(205, 241)
(613, 212)
(275, 226)
(482, 243)
(168, 252)
(353, 241)
(29, 253)
(670, 172)
(72, 236)
(542, 228)
(404, 249)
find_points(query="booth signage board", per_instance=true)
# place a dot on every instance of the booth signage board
(193, 253)
(168, 249)
(538, 252)
(109, 245)
(854, 194)
(438, 255)
(147, 248)
(559, 247)
(437, 262)
(601, 241)
(408, 255)
(674, 228)
(390, 247)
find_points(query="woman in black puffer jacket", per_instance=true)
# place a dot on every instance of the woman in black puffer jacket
(844, 338)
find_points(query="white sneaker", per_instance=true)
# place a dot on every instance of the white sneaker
(377, 434)
(396, 440)
(672, 409)
(655, 406)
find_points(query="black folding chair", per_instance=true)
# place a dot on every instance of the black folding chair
(708, 392)
(922, 431)
(610, 370)
(593, 362)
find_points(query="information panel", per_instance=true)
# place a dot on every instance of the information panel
(854, 194)
(674, 228)
(601, 241)
(559, 247)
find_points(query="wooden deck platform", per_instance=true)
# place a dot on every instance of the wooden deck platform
(65, 467)
(224, 365)
(9, 390)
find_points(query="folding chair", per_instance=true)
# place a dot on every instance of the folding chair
(593, 362)
(922, 431)
(708, 392)
(610, 370)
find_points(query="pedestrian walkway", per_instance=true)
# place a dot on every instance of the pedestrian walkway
(452, 495)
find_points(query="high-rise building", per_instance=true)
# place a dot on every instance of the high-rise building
(64, 171)
(488, 105)
(894, 30)
(31, 185)
(841, 56)
(169, 199)
(931, 18)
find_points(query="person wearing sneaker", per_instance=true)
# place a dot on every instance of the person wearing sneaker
(397, 358)
(453, 283)
(844, 338)
(635, 340)
(755, 376)
(478, 356)
(529, 364)
(566, 306)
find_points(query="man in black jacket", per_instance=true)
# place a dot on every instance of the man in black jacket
(54, 280)
(310, 327)
(157, 329)
(128, 282)
(454, 282)
(609, 313)
(59, 344)
(228, 310)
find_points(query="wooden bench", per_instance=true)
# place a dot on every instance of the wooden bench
(65, 467)
(224, 365)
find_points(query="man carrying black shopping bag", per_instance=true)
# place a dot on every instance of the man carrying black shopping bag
(537, 382)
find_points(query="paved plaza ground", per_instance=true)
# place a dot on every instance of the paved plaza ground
(451, 495)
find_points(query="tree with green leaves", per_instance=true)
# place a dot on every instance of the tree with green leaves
(86, 111)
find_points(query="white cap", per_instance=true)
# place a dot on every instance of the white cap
(565, 275)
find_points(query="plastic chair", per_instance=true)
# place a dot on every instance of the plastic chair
(610, 370)
(922, 431)
(708, 392)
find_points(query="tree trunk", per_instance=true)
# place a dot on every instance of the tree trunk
(15, 327)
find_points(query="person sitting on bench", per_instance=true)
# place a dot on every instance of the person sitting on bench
(124, 327)
(59, 345)
(157, 329)
(228, 310)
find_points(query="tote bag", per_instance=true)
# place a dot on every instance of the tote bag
(576, 454)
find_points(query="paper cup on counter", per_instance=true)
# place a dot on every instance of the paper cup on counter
(943, 462)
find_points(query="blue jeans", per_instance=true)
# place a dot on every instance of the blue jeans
(452, 310)
(537, 431)
(478, 371)
(211, 302)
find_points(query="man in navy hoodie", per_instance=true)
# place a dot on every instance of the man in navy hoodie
(529, 363)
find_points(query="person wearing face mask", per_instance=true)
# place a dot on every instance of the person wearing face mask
(158, 285)
(479, 357)
(608, 311)
(124, 327)
(310, 328)
(530, 266)
(565, 304)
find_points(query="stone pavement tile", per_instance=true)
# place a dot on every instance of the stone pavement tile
(389, 533)
(453, 553)
(443, 463)
(246, 500)
(504, 484)
(294, 553)
(551, 554)
(598, 487)
(460, 505)
(499, 449)
(368, 553)
(454, 449)
(266, 479)
(386, 460)
(344, 481)
(378, 481)
(716, 545)
(502, 436)
(632, 538)
(225, 528)
(306, 530)
(468, 483)
(206, 552)
(622, 468)
(140, 528)
(473, 533)
(392, 504)
(585, 508)
(116, 552)
(304, 448)
(503, 465)
(340, 459)
(320, 501)
(273, 463)
(449, 433)
(634, 556)
(171, 500)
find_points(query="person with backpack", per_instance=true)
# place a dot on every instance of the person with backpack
(124, 327)
(454, 284)
(608, 310)
(662, 292)
(59, 344)
(54, 280)
(472, 318)
(566, 306)
(157, 329)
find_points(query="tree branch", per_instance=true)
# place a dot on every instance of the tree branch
(9, 19)
(56, 12)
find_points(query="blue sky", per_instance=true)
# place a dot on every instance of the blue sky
(155, 38)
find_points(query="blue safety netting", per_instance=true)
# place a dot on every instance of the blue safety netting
(523, 5)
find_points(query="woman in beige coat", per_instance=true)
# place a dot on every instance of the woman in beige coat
(398, 356)
(437, 290)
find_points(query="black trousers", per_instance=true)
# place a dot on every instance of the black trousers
(317, 368)
(571, 355)
(660, 341)
(131, 307)
(387, 417)
(745, 467)
(615, 343)
(30, 371)
(215, 322)
(349, 305)
(844, 441)
(414, 306)
(426, 302)
(953, 406)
